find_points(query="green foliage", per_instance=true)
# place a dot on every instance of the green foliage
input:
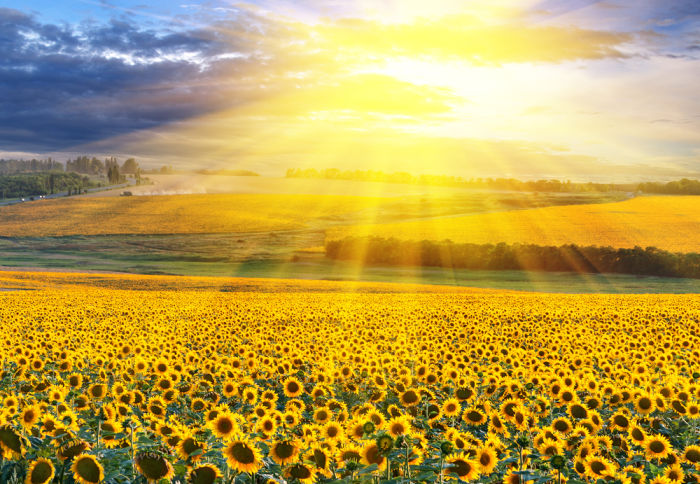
(46, 183)
(551, 185)
(566, 258)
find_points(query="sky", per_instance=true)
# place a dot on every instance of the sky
(576, 89)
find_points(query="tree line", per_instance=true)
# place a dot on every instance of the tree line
(680, 187)
(684, 186)
(649, 261)
(33, 184)
(86, 165)
(11, 167)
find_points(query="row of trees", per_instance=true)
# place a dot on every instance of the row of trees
(566, 258)
(33, 184)
(684, 186)
(94, 166)
(456, 181)
(680, 187)
(86, 165)
(11, 167)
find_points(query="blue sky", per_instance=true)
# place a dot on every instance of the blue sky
(575, 87)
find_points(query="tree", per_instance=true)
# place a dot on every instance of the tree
(130, 166)
(113, 174)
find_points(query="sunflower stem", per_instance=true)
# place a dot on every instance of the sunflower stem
(133, 463)
(407, 472)
(99, 429)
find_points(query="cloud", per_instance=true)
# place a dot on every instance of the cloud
(248, 85)
(469, 39)
(63, 85)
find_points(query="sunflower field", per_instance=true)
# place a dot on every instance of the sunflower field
(117, 386)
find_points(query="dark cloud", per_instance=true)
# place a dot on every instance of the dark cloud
(63, 85)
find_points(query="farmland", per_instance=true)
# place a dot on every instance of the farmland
(206, 213)
(135, 378)
(669, 223)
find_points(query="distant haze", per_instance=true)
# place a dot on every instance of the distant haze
(566, 89)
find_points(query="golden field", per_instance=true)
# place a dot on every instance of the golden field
(171, 214)
(321, 383)
(670, 223)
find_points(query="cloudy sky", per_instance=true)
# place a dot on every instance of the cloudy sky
(573, 88)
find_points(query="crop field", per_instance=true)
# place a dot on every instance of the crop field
(250, 212)
(668, 223)
(171, 214)
(122, 379)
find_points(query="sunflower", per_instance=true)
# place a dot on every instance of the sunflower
(674, 474)
(620, 421)
(49, 423)
(242, 455)
(637, 434)
(284, 451)
(522, 419)
(398, 426)
(321, 458)
(204, 474)
(644, 404)
(660, 480)
(598, 467)
(224, 425)
(577, 410)
(410, 398)
(322, 415)
(156, 407)
(332, 431)
(691, 454)
(634, 475)
(29, 416)
(153, 466)
(40, 471)
(295, 405)
(487, 459)
(188, 445)
(11, 442)
(303, 472)
(562, 425)
(349, 453)
(250, 395)
(109, 429)
(512, 478)
(656, 447)
(290, 418)
(71, 449)
(451, 407)
(198, 405)
(266, 426)
(473, 416)
(292, 387)
(10, 402)
(550, 447)
(463, 468)
(97, 391)
(372, 455)
(161, 366)
(693, 410)
(87, 470)
(464, 394)
(230, 388)
(496, 424)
